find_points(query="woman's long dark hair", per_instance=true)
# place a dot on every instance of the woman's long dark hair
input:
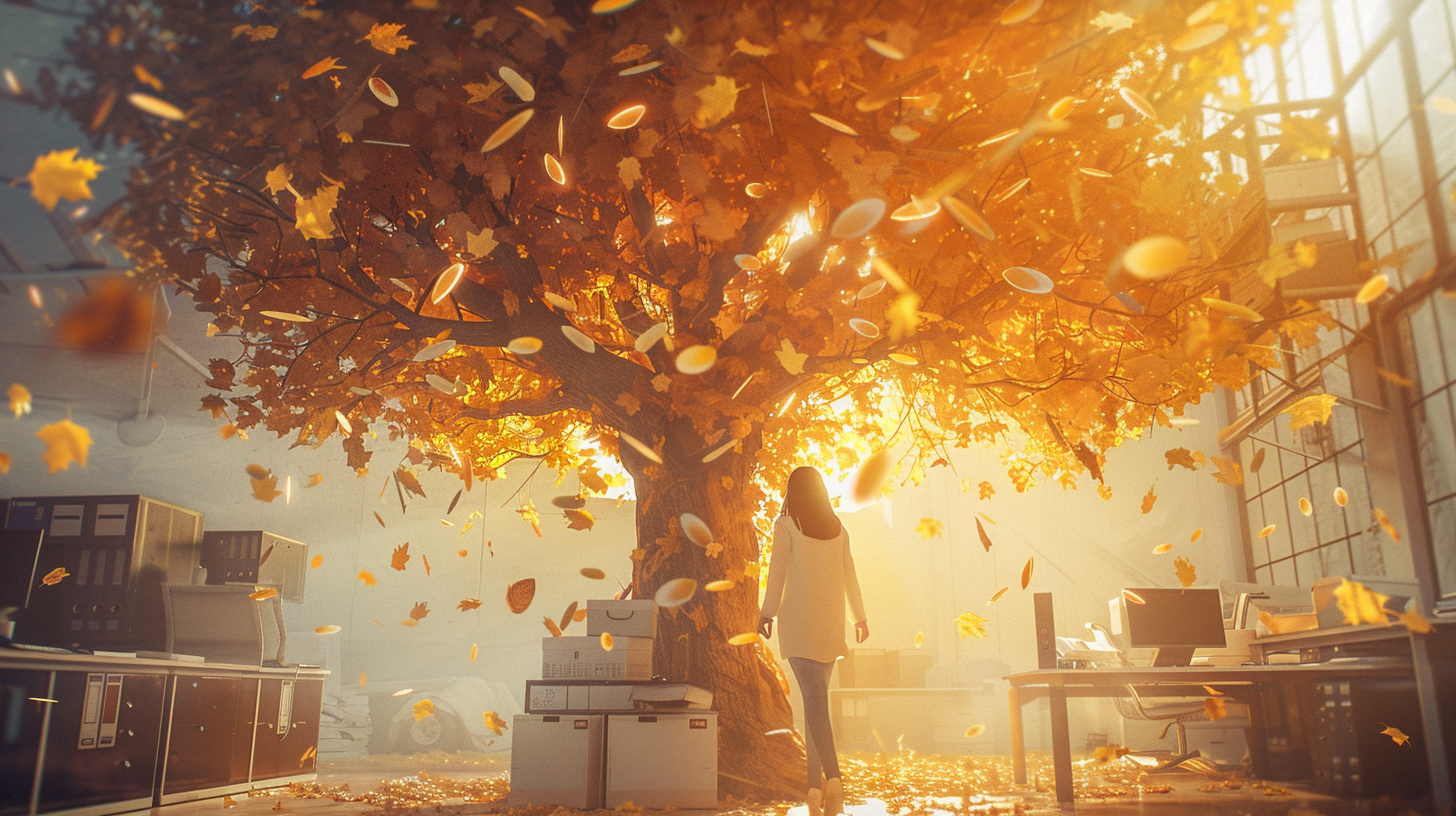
(806, 501)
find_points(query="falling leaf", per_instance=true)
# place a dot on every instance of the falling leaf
(426, 560)
(60, 174)
(1216, 708)
(929, 528)
(1026, 572)
(474, 651)
(20, 399)
(400, 557)
(1196, 534)
(716, 101)
(115, 316)
(981, 533)
(1182, 457)
(969, 624)
(469, 604)
(318, 561)
(1310, 410)
(1258, 460)
(367, 577)
(255, 33)
(4, 463)
(1414, 621)
(607, 641)
(567, 616)
(1384, 522)
(323, 66)
(1361, 604)
(519, 595)
(424, 708)
(65, 442)
(551, 627)
(1104, 754)
(386, 37)
(579, 520)
(1391, 376)
(975, 731)
(1162, 548)
(314, 215)
(528, 512)
(745, 639)
(1149, 499)
(495, 723)
(419, 611)
(379, 518)
(1342, 498)
(331, 629)
(227, 802)
(791, 359)
(264, 594)
(1268, 530)
(904, 315)
(1396, 735)
(1229, 471)
(998, 595)
(1111, 21)
(1132, 597)
(1183, 568)
(919, 639)
(54, 576)
(363, 678)
(987, 490)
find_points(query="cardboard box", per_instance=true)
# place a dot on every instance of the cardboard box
(583, 658)
(579, 696)
(662, 761)
(636, 619)
(557, 760)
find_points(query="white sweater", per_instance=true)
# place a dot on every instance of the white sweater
(808, 581)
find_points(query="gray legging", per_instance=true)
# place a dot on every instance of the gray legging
(813, 677)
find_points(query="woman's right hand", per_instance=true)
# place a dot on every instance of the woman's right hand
(765, 628)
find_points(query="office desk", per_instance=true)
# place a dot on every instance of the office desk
(1240, 683)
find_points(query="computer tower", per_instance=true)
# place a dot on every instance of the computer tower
(116, 552)
(662, 761)
(255, 558)
(1351, 756)
(557, 759)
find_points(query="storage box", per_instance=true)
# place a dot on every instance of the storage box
(583, 658)
(578, 696)
(661, 761)
(622, 618)
(557, 760)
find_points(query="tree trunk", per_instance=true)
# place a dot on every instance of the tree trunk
(750, 692)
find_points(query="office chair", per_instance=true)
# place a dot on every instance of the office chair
(1177, 712)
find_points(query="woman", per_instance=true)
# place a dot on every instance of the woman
(809, 576)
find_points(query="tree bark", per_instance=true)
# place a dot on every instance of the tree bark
(750, 692)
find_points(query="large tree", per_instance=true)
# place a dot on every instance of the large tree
(340, 185)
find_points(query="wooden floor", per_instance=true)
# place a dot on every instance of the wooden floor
(464, 784)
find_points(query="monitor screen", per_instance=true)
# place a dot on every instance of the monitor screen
(19, 551)
(219, 623)
(1173, 617)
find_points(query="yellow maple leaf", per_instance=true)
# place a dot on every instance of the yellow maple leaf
(480, 243)
(481, 91)
(969, 624)
(19, 399)
(579, 519)
(386, 37)
(367, 577)
(791, 359)
(1104, 754)
(424, 708)
(495, 723)
(323, 66)
(1310, 410)
(987, 490)
(314, 215)
(929, 528)
(1396, 735)
(716, 101)
(1229, 471)
(1306, 255)
(1216, 708)
(661, 383)
(266, 490)
(714, 549)
(59, 174)
(65, 442)
(1185, 571)
(315, 479)
(529, 513)
(1360, 604)
(904, 315)
(277, 180)
(1149, 499)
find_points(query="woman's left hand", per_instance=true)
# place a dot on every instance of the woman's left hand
(861, 631)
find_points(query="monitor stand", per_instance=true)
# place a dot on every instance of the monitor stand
(1173, 656)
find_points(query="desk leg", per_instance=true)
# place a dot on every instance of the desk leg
(1061, 744)
(1018, 739)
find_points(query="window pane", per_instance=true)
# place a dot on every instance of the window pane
(1443, 531)
(1441, 114)
(1436, 435)
(1387, 102)
(1433, 42)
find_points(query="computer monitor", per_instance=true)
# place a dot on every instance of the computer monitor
(19, 551)
(1173, 621)
(218, 623)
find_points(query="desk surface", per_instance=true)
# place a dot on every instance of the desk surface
(1208, 674)
(58, 661)
(1337, 636)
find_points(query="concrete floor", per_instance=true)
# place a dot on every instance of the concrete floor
(464, 784)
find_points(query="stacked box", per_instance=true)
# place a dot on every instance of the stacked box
(584, 658)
